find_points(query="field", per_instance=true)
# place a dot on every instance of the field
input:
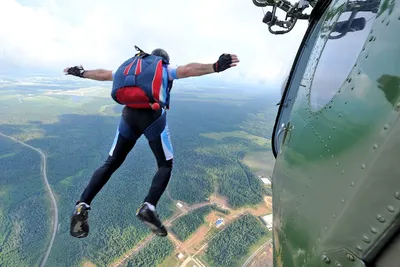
(260, 162)
(253, 249)
(264, 258)
(238, 134)
(88, 264)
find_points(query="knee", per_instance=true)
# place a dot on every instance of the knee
(168, 164)
(113, 163)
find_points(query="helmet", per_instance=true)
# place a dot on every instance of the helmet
(161, 53)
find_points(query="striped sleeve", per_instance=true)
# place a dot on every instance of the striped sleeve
(172, 72)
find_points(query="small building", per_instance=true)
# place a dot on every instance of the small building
(267, 219)
(219, 222)
(179, 256)
(179, 205)
(266, 181)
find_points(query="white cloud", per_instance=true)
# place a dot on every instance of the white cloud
(101, 34)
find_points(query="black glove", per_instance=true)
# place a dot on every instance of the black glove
(76, 71)
(224, 62)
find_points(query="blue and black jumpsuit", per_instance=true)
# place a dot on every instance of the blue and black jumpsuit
(133, 124)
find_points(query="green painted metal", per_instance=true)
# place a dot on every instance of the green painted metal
(336, 182)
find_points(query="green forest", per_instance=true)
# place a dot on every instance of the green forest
(76, 132)
(188, 224)
(226, 249)
(152, 254)
(24, 209)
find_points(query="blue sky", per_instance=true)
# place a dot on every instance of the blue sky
(48, 35)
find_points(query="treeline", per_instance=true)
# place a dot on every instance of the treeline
(215, 163)
(223, 211)
(152, 254)
(234, 242)
(188, 224)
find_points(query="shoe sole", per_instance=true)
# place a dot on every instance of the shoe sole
(154, 228)
(76, 229)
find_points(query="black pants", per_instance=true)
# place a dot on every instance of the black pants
(134, 123)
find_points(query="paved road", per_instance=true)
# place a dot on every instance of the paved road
(50, 191)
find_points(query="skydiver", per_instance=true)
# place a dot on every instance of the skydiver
(134, 122)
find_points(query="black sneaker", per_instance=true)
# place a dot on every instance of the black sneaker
(150, 217)
(79, 221)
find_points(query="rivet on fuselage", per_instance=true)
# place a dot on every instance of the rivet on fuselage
(386, 126)
(352, 183)
(334, 128)
(397, 195)
(359, 248)
(334, 215)
(398, 106)
(380, 218)
(373, 230)
(326, 259)
(342, 200)
(337, 163)
(387, 23)
(363, 166)
(366, 239)
(349, 257)
(340, 115)
(390, 208)
(338, 264)
(371, 38)
(375, 146)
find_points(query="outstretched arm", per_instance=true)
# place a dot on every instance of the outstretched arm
(224, 62)
(98, 74)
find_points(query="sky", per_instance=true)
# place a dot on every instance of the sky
(48, 35)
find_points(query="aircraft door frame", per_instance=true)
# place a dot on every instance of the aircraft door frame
(282, 125)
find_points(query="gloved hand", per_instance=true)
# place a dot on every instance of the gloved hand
(224, 62)
(76, 71)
